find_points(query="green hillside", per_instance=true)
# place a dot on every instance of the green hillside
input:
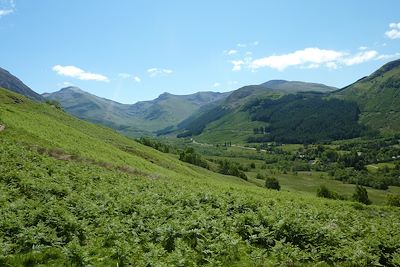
(378, 96)
(232, 119)
(297, 86)
(133, 119)
(76, 194)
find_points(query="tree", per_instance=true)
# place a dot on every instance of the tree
(361, 195)
(272, 183)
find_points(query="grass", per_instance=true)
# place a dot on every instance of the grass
(76, 194)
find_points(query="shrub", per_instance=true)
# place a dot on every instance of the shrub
(272, 183)
(393, 200)
(361, 195)
(229, 168)
(260, 176)
(190, 156)
(324, 192)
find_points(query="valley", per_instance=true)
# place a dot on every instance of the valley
(259, 176)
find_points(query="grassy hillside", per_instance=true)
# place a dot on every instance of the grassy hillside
(378, 97)
(73, 193)
(133, 119)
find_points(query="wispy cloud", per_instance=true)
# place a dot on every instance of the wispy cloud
(308, 58)
(77, 73)
(124, 75)
(230, 52)
(388, 56)
(237, 65)
(360, 57)
(394, 31)
(7, 7)
(242, 45)
(153, 72)
(216, 84)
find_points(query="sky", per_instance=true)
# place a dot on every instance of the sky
(130, 51)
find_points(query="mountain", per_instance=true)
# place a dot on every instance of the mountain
(231, 120)
(132, 119)
(297, 86)
(12, 83)
(73, 193)
(378, 97)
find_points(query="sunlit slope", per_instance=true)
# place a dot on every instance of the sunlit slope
(76, 194)
(378, 96)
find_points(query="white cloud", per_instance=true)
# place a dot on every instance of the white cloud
(331, 65)
(7, 7)
(124, 75)
(153, 72)
(360, 57)
(308, 58)
(300, 57)
(362, 48)
(216, 84)
(75, 72)
(389, 56)
(5, 12)
(137, 79)
(231, 52)
(255, 43)
(237, 65)
(394, 31)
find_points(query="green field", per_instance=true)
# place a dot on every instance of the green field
(76, 194)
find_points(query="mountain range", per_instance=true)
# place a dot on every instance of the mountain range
(288, 111)
(136, 119)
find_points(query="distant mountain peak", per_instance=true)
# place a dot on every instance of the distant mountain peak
(72, 88)
(12, 83)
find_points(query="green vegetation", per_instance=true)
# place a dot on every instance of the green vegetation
(272, 183)
(361, 195)
(323, 191)
(378, 97)
(393, 200)
(140, 118)
(151, 142)
(76, 194)
(190, 156)
(230, 168)
(304, 118)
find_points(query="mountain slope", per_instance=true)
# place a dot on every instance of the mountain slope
(297, 86)
(378, 96)
(141, 117)
(12, 83)
(227, 120)
(76, 194)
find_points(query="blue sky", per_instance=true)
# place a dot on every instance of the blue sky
(129, 50)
